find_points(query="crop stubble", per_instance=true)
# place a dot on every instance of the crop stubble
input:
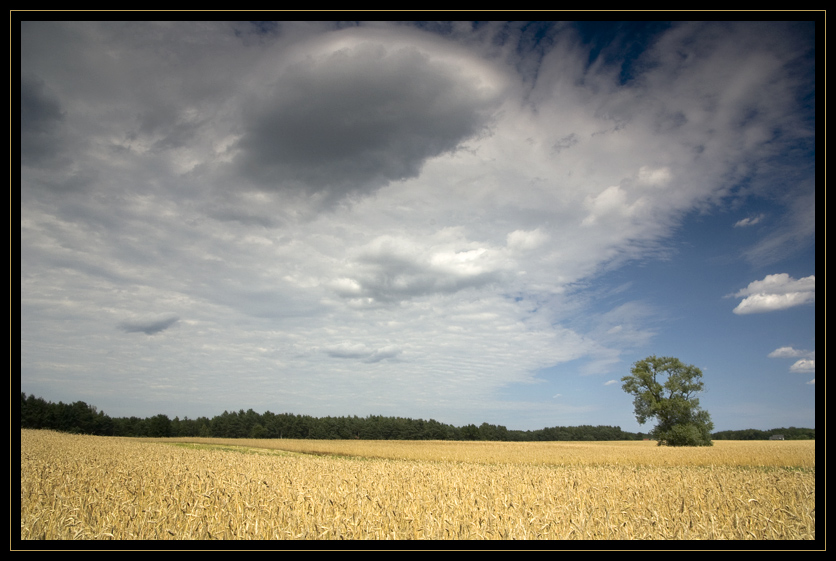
(87, 487)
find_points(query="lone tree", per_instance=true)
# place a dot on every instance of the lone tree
(665, 389)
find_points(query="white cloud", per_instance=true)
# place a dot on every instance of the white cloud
(611, 202)
(526, 240)
(804, 365)
(806, 359)
(776, 292)
(654, 177)
(789, 352)
(749, 221)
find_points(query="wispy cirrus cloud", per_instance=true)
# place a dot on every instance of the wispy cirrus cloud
(749, 221)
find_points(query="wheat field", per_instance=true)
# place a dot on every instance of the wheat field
(89, 487)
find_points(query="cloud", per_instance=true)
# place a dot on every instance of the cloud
(149, 326)
(526, 240)
(395, 268)
(789, 352)
(806, 359)
(758, 303)
(749, 221)
(804, 365)
(358, 112)
(41, 118)
(610, 382)
(362, 352)
(776, 292)
(331, 206)
(795, 229)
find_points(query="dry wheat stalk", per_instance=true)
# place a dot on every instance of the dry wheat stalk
(85, 487)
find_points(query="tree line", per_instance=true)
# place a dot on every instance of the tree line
(81, 418)
(791, 433)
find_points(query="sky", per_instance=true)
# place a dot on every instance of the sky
(467, 222)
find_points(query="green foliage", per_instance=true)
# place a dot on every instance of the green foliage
(684, 435)
(791, 433)
(80, 417)
(159, 426)
(665, 389)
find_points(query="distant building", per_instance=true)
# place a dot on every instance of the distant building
(776, 437)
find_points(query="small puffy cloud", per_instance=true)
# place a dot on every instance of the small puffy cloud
(788, 352)
(804, 365)
(758, 303)
(806, 359)
(149, 326)
(776, 292)
(610, 382)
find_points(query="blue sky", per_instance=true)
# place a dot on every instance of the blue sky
(467, 222)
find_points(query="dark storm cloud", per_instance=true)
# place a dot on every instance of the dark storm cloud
(40, 119)
(358, 119)
(148, 326)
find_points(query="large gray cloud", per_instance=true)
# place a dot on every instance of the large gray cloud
(41, 116)
(359, 118)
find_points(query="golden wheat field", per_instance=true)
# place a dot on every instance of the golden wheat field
(89, 487)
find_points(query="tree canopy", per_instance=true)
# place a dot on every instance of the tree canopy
(79, 417)
(665, 389)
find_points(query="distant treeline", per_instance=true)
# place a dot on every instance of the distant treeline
(791, 433)
(79, 417)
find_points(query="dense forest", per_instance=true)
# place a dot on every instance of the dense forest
(79, 417)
